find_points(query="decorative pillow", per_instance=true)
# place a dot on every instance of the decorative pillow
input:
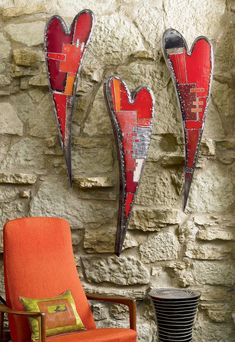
(61, 314)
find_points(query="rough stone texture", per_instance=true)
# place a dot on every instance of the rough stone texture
(30, 34)
(119, 271)
(104, 239)
(17, 11)
(112, 46)
(17, 178)
(164, 247)
(80, 213)
(93, 182)
(216, 233)
(9, 121)
(213, 190)
(5, 46)
(153, 219)
(206, 273)
(25, 57)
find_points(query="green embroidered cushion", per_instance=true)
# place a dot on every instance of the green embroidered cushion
(61, 314)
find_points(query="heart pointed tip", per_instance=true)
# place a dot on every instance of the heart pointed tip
(187, 185)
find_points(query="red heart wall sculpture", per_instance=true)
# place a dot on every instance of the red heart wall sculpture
(64, 54)
(192, 75)
(131, 116)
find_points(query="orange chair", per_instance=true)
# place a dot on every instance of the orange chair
(39, 263)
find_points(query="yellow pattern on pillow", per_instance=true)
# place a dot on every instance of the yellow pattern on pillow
(61, 314)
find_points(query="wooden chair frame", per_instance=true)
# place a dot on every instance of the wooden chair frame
(41, 316)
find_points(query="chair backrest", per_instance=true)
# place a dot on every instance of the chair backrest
(39, 263)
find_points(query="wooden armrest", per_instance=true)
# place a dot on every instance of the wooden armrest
(120, 300)
(40, 316)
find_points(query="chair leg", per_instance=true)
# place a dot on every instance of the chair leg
(1, 325)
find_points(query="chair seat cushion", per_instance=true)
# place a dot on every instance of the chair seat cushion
(97, 335)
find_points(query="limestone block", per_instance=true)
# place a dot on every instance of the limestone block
(211, 190)
(16, 11)
(162, 246)
(55, 198)
(25, 57)
(5, 46)
(215, 233)
(115, 270)
(112, 46)
(93, 182)
(153, 219)
(4, 80)
(135, 292)
(100, 239)
(29, 34)
(208, 273)
(187, 17)
(9, 121)
(100, 312)
(208, 251)
(40, 80)
(17, 178)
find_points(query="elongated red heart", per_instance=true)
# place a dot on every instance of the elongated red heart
(192, 74)
(64, 54)
(131, 116)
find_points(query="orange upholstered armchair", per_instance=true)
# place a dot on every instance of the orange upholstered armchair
(39, 263)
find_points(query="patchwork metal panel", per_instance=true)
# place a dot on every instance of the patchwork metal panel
(131, 116)
(191, 72)
(65, 50)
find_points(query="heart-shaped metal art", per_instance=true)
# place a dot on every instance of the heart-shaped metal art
(191, 72)
(131, 115)
(65, 50)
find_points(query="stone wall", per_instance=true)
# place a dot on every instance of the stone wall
(164, 246)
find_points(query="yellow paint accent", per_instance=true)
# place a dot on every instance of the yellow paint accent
(117, 94)
(69, 84)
